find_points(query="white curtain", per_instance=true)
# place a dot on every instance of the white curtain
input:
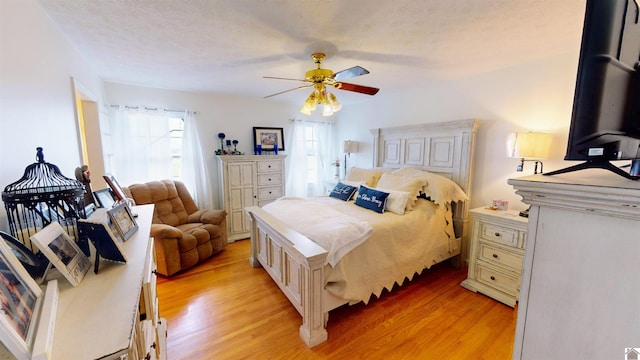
(140, 145)
(310, 149)
(140, 149)
(194, 169)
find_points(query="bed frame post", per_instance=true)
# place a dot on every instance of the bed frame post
(312, 330)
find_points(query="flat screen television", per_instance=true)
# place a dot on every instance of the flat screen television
(605, 120)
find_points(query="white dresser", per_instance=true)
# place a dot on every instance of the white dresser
(112, 314)
(248, 180)
(580, 296)
(496, 252)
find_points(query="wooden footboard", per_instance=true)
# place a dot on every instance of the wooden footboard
(296, 264)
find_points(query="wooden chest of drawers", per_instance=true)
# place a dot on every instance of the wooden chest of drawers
(496, 252)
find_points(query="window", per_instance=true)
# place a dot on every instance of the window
(309, 158)
(144, 144)
(311, 145)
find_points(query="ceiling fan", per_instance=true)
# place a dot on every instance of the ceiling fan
(320, 79)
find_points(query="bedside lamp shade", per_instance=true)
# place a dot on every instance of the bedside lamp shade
(349, 147)
(531, 145)
(534, 145)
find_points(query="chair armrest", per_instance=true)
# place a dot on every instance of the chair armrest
(163, 231)
(214, 217)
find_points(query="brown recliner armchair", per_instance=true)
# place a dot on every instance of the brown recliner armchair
(183, 234)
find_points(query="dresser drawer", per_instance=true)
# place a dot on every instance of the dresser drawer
(501, 257)
(269, 193)
(498, 280)
(500, 234)
(269, 166)
(269, 179)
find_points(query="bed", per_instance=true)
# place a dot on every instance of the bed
(316, 280)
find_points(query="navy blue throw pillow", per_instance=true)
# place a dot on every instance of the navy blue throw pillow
(343, 192)
(371, 199)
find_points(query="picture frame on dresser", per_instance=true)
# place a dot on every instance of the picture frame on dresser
(101, 231)
(268, 137)
(62, 252)
(116, 189)
(27, 310)
(104, 198)
(123, 221)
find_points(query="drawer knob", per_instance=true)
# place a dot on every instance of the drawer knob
(497, 234)
(269, 166)
(493, 277)
(269, 179)
(269, 192)
(495, 256)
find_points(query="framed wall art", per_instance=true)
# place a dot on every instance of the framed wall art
(28, 313)
(123, 221)
(62, 252)
(268, 138)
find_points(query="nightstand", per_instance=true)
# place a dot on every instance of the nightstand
(496, 252)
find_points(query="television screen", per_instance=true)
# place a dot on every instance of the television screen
(605, 122)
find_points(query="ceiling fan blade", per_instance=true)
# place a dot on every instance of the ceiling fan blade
(286, 91)
(281, 78)
(356, 88)
(350, 72)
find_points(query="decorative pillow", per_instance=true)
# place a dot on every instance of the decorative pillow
(396, 202)
(442, 190)
(410, 184)
(343, 191)
(352, 183)
(369, 176)
(438, 188)
(371, 199)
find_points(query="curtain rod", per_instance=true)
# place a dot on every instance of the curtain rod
(147, 108)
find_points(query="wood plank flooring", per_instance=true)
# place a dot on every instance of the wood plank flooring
(225, 309)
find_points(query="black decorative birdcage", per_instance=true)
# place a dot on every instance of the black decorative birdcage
(41, 196)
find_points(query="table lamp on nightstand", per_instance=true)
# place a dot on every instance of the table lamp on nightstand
(532, 145)
(348, 147)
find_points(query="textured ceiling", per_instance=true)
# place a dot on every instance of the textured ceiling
(228, 45)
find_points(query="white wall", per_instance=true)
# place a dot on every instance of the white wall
(36, 95)
(232, 115)
(536, 96)
(36, 107)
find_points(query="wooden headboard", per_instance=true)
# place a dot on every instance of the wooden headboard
(445, 148)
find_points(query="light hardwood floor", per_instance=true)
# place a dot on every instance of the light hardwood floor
(225, 309)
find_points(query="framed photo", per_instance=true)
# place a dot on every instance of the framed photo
(21, 302)
(123, 221)
(34, 263)
(104, 198)
(62, 252)
(118, 193)
(103, 234)
(267, 137)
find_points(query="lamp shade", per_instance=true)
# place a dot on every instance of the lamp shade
(531, 145)
(349, 146)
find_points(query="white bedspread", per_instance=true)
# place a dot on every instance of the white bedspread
(333, 230)
(399, 247)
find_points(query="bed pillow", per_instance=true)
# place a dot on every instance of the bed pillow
(369, 176)
(371, 199)
(442, 190)
(396, 201)
(343, 192)
(410, 184)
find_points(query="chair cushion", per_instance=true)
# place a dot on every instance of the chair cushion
(169, 208)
